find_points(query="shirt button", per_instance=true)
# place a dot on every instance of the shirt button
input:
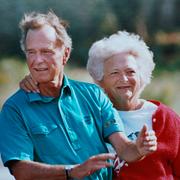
(126, 164)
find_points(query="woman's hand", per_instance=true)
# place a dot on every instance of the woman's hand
(29, 84)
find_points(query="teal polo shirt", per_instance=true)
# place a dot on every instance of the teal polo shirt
(64, 130)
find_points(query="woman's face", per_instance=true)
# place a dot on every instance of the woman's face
(121, 80)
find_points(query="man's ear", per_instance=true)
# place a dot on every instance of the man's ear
(66, 55)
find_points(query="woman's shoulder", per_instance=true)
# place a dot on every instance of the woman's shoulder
(166, 113)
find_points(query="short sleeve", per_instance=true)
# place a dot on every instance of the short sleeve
(111, 120)
(15, 143)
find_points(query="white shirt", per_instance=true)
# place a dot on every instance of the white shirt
(134, 120)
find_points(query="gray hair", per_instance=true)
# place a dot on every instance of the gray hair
(121, 42)
(35, 20)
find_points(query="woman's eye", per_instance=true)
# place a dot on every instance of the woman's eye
(131, 72)
(113, 73)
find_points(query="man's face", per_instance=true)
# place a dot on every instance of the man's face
(45, 58)
(121, 79)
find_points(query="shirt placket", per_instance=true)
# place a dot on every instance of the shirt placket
(63, 105)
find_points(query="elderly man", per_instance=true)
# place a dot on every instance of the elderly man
(61, 132)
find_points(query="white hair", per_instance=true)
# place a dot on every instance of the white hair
(35, 20)
(121, 42)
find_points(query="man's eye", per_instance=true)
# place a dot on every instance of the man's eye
(47, 52)
(30, 52)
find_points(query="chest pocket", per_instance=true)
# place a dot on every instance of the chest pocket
(43, 129)
(46, 139)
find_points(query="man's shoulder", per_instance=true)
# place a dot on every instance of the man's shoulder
(87, 90)
(83, 85)
(16, 98)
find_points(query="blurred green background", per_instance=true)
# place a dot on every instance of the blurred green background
(157, 21)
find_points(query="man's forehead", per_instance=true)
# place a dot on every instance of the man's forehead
(45, 31)
(43, 35)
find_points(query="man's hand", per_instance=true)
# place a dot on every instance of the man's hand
(93, 164)
(28, 170)
(130, 151)
(146, 141)
(29, 84)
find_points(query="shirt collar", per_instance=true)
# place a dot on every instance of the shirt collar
(65, 91)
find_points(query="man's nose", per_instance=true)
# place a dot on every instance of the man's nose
(38, 58)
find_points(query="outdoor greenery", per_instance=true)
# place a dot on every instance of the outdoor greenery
(157, 21)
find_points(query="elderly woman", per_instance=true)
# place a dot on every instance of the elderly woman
(122, 65)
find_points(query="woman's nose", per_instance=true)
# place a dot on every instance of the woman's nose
(123, 78)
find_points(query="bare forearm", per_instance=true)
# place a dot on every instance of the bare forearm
(129, 152)
(125, 149)
(28, 170)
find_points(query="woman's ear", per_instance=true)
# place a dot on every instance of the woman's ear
(66, 55)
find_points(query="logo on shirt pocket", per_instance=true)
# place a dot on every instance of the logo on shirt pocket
(88, 119)
(87, 125)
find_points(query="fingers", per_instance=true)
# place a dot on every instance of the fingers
(22, 85)
(33, 81)
(146, 135)
(147, 141)
(98, 166)
(150, 145)
(103, 157)
(150, 135)
(93, 164)
(150, 138)
(150, 141)
(98, 162)
(143, 131)
(29, 84)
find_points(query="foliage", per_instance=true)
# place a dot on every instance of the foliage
(91, 20)
(166, 57)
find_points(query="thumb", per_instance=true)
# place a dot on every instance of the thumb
(143, 130)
